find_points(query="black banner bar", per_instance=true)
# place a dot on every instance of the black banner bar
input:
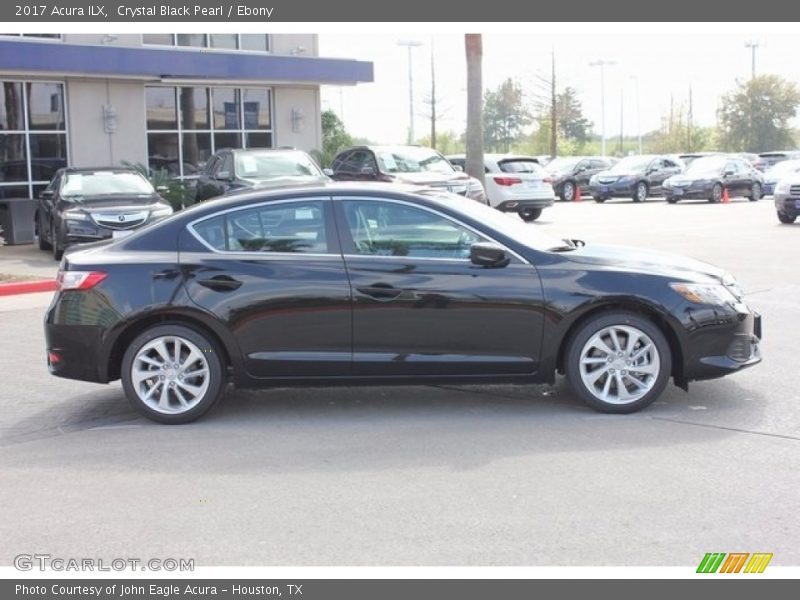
(209, 11)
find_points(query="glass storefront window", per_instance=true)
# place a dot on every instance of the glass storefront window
(255, 42)
(161, 113)
(46, 106)
(194, 108)
(251, 42)
(223, 40)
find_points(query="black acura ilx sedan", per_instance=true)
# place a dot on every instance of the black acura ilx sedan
(347, 283)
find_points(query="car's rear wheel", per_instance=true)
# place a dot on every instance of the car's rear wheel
(784, 218)
(172, 374)
(716, 193)
(568, 192)
(755, 192)
(530, 214)
(618, 362)
(640, 192)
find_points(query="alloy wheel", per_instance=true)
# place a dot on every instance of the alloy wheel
(619, 364)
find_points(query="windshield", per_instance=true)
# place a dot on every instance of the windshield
(507, 224)
(707, 164)
(630, 164)
(558, 165)
(412, 160)
(105, 183)
(520, 165)
(783, 168)
(272, 165)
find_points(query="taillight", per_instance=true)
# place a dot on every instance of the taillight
(507, 180)
(79, 280)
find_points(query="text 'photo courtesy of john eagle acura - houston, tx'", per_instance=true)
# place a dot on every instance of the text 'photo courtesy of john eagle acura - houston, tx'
(383, 283)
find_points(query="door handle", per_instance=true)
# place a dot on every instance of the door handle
(221, 283)
(380, 292)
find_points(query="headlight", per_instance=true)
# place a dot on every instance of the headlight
(705, 293)
(161, 211)
(74, 214)
(782, 187)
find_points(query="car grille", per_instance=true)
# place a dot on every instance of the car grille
(794, 190)
(606, 179)
(120, 220)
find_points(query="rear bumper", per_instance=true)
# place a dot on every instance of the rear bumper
(73, 350)
(515, 205)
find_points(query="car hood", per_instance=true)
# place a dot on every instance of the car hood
(429, 178)
(286, 180)
(609, 174)
(646, 261)
(115, 202)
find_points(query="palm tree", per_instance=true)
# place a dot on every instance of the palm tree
(474, 48)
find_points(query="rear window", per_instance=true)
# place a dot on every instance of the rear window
(520, 166)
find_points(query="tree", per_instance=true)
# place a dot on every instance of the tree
(572, 125)
(504, 116)
(755, 116)
(334, 137)
(473, 46)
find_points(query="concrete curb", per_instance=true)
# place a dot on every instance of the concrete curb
(27, 287)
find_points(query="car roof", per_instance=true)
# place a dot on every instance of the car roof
(100, 169)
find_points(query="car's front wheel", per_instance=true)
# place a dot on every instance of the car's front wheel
(716, 193)
(58, 252)
(755, 192)
(530, 214)
(640, 192)
(43, 243)
(672, 199)
(598, 199)
(787, 219)
(618, 362)
(568, 191)
(173, 374)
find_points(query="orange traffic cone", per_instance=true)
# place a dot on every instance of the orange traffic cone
(578, 193)
(725, 197)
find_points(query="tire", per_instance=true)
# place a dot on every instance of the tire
(655, 363)
(529, 214)
(43, 243)
(755, 193)
(599, 200)
(672, 199)
(197, 353)
(786, 219)
(568, 191)
(57, 252)
(716, 193)
(640, 192)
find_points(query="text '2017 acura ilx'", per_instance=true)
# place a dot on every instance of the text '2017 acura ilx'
(384, 284)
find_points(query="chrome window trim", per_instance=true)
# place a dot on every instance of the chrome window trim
(433, 211)
(239, 255)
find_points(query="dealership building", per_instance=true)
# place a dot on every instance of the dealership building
(167, 100)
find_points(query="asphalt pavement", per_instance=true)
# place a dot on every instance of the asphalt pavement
(428, 475)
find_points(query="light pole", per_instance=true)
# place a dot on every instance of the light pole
(602, 64)
(410, 44)
(638, 111)
(753, 47)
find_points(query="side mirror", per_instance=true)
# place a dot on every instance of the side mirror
(45, 194)
(223, 176)
(727, 172)
(328, 172)
(458, 168)
(484, 254)
(162, 188)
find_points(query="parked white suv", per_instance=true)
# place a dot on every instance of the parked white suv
(515, 183)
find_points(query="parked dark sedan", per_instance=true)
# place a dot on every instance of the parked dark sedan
(384, 284)
(707, 177)
(572, 173)
(634, 177)
(87, 205)
(405, 164)
(767, 160)
(230, 170)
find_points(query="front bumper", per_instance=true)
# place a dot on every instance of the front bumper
(616, 189)
(721, 340)
(692, 191)
(787, 204)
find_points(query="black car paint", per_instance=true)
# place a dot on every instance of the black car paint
(289, 322)
(580, 174)
(737, 176)
(59, 233)
(658, 169)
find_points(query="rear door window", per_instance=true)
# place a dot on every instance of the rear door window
(520, 165)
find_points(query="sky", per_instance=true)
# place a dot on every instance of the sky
(658, 66)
